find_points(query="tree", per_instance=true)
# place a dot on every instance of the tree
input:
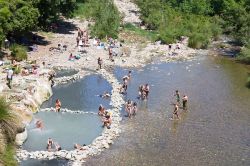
(16, 17)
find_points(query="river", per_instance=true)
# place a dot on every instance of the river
(214, 131)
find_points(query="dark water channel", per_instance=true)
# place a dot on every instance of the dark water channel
(215, 130)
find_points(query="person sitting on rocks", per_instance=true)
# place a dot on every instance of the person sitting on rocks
(57, 146)
(107, 121)
(25, 71)
(58, 105)
(71, 57)
(49, 144)
(34, 70)
(102, 111)
(122, 89)
(79, 147)
(39, 124)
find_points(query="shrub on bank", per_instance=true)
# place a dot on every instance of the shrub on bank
(8, 157)
(248, 82)
(198, 41)
(19, 52)
(244, 55)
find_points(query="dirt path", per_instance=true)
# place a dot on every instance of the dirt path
(129, 11)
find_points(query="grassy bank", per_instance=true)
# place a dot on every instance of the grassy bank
(7, 157)
(8, 128)
(150, 35)
(244, 55)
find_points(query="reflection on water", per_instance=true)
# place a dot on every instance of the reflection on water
(215, 130)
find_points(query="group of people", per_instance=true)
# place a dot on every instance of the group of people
(178, 102)
(82, 39)
(143, 91)
(50, 144)
(106, 116)
(131, 108)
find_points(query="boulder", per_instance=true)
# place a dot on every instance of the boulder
(21, 137)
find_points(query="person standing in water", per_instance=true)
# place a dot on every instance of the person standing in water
(129, 108)
(39, 124)
(49, 144)
(175, 113)
(129, 74)
(177, 95)
(58, 105)
(184, 102)
(146, 89)
(134, 108)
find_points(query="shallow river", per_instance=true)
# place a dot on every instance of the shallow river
(215, 130)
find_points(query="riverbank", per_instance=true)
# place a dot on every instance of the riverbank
(29, 92)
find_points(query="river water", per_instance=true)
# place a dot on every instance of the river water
(214, 131)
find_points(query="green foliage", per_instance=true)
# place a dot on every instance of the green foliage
(4, 109)
(104, 13)
(173, 19)
(8, 157)
(19, 52)
(244, 55)
(50, 10)
(17, 69)
(248, 82)
(16, 16)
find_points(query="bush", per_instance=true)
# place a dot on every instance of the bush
(150, 35)
(248, 82)
(17, 69)
(7, 121)
(171, 21)
(198, 41)
(19, 52)
(244, 55)
(104, 13)
(4, 109)
(8, 157)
